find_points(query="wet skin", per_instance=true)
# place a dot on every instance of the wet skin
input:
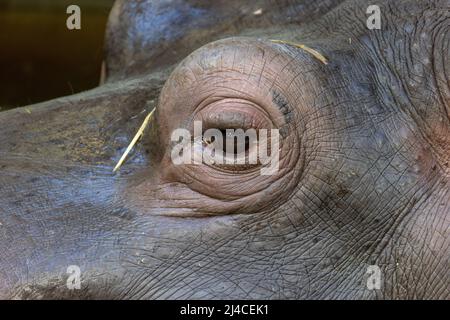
(364, 173)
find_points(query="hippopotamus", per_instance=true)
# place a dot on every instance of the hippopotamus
(363, 183)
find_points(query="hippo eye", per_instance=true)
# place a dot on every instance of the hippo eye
(232, 142)
(232, 150)
(231, 135)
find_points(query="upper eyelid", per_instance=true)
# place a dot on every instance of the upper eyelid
(222, 122)
(236, 120)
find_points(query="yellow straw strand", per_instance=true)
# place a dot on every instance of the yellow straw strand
(133, 142)
(313, 52)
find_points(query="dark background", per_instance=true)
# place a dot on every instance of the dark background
(40, 58)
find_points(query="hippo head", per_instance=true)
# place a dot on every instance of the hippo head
(361, 184)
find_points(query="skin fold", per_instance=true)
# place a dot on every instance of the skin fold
(364, 174)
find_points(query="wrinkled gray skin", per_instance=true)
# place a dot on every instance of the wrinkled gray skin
(364, 173)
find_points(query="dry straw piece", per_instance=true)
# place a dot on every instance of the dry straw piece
(313, 52)
(133, 142)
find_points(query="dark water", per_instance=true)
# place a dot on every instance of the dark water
(40, 58)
